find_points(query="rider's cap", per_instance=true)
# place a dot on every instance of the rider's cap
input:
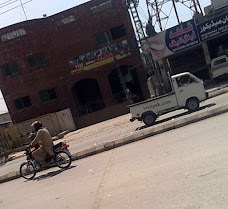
(37, 124)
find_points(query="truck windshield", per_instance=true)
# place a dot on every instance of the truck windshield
(185, 80)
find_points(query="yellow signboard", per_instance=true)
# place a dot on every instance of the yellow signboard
(100, 57)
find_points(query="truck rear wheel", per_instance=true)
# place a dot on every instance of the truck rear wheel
(192, 104)
(149, 119)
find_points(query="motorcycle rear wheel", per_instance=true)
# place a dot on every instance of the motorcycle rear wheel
(63, 159)
(27, 170)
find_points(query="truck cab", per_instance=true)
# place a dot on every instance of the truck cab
(188, 86)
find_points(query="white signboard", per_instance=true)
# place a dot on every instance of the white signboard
(13, 35)
(67, 20)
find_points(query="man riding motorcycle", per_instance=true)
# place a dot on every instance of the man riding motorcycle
(43, 137)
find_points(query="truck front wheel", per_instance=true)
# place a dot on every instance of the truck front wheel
(192, 104)
(149, 119)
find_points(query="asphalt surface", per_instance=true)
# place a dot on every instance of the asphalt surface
(118, 131)
(184, 168)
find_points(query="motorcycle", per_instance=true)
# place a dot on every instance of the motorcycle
(62, 158)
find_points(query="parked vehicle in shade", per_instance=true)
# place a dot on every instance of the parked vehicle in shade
(219, 66)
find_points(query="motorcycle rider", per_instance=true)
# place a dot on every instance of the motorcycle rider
(43, 137)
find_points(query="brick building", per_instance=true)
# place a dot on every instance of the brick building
(66, 61)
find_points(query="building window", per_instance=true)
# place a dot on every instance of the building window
(108, 36)
(10, 69)
(22, 103)
(36, 60)
(103, 38)
(118, 32)
(47, 95)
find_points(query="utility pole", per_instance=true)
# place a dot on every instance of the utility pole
(121, 78)
(161, 10)
(175, 9)
(158, 15)
(153, 69)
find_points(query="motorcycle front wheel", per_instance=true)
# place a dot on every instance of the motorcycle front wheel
(27, 170)
(63, 159)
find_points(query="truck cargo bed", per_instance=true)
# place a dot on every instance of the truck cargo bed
(150, 100)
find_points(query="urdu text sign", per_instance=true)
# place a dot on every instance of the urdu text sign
(213, 27)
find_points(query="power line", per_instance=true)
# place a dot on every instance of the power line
(6, 2)
(22, 5)
(9, 2)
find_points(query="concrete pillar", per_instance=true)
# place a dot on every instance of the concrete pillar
(207, 56)
(105, 89)
(165, 68)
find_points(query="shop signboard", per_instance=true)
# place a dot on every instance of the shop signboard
(175, 39)
(213, 27)
(100, 57)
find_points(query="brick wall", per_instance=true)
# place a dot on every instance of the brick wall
(60, 43)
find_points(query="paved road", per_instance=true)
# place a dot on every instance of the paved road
(127, 128)
(184, 168)
(117, 131)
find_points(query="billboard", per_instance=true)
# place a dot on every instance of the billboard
(100, 57)
(173, 40)
(213, 27)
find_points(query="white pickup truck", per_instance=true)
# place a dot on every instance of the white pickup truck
(219, 66)
(187, 92)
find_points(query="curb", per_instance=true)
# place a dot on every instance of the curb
(150, 131)
(218, 92)
(10, 176)
(138, 135)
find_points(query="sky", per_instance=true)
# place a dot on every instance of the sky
(37, 8)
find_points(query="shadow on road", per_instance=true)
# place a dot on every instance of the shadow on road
(175, 116)
(52, 174)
